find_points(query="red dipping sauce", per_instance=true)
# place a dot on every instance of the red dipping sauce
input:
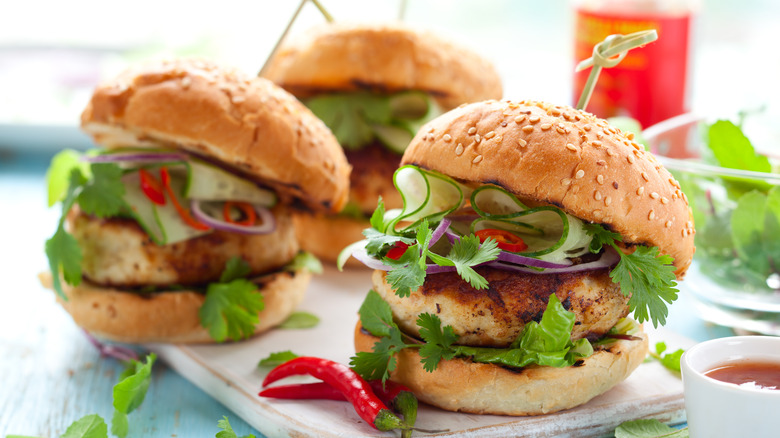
(760, 374)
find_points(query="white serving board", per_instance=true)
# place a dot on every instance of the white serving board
(229, 373)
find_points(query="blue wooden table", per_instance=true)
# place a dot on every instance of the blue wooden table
(50, 375)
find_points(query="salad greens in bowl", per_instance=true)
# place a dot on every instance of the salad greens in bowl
(734, 194)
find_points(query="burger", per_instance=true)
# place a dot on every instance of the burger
(374, 86)
(530, 235)
(179, 229)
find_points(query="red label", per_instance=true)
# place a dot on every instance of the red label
(650, 83)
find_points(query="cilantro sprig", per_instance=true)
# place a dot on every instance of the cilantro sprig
(649, 429)
(227, 430)
(231, 307)
(645, 274)
(130, 392)
(546, 343)
(100, 193)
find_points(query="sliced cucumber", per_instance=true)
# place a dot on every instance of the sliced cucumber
(161, 222)
(496, 202)
(210, 183)
(426, 195)
(394, 137)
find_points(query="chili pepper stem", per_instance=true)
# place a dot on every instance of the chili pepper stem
(386, 420)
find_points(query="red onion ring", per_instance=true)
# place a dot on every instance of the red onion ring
(518, 259)
(268, 225)
(608, 259)
(140, 157)
(444, 225)
(362, 256)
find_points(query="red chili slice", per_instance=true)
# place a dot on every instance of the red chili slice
(250, 216)
(397, 250)
(506, 240)
(151, 187)
(183, 213)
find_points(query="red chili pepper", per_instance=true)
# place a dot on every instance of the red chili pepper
(356, 390)
(250, 216)
(151, 187)
(183, 213)
(323, 391)
(397, 250)
(506, 240)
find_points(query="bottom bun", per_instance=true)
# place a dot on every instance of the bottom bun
(325, 235)
(464, 386)
(170, 317)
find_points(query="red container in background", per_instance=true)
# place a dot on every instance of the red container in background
(651, 83)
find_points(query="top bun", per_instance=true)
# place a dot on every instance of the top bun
(246, 123)
(385, 58)
(558, 155)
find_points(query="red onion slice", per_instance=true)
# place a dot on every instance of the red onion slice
(108, 350)
(140, 157)
(518, 259)
(444, 225)
(362, 256)
(268, 224)
(608, 259)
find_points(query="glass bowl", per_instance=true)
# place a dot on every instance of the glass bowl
(735, 275)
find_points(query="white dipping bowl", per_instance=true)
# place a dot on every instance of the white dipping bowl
(719, 409)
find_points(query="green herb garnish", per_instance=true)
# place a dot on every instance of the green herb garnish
(649, 429)
(278, 358)
(227, 430)
(130, 392)
(670, 361)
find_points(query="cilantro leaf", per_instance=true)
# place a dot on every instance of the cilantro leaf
(733, 150)
(59, 173)
(231, 307)
(649, 277)
(276, 359)
(670, 361)
(438, 341)
(227, 430)
(600, 237)
(230, 310)
(407, 274)
(129, 393)
(300, 320)
(89, 426)
(64, 256)
(467, 252)
(103, 194)
(377, 317)
(648, 429)
(377, 219)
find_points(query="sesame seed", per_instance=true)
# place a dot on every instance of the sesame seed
(447, 137)
(640, 190)
(674, 196)
(477, 159)
(580, 173)
(668, 224)
(645, 177)
(519, 119)
(654, 195)
(600, 179)
(587, 127)
(546, 126)
(533, 119)
(459, 149)
(636, 146)
(560, 129)
(601, 163)
(595, 144)
(521, 142)
(571, 147)
(490, 135)
(615, 185)
(472, 130)
(651, 216)
(528, 129)
(477, 138)
(499, 139)
(630, 159)
(597, 195)
(664, 200)
(430, 131)
(237, 99)
(683, 233)
(565, 182)
(610, 153)
(575, 189)
(555, 111)
(607, 200)
(597, 213)
(689, 224)
(503, 124)
(186, 82)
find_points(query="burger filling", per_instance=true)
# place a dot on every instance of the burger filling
(374, 130)
(144, 220)
(474, 272)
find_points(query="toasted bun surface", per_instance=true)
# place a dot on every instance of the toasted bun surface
(385, 58)
(170, 317)
(246, 123)
(464, 386)
(325, 235)
(558, 155)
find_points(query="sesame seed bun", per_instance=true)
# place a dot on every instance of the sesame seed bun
(172, 317)
(246, 123)
(557, 155)
(464, 386)
(384, 58)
